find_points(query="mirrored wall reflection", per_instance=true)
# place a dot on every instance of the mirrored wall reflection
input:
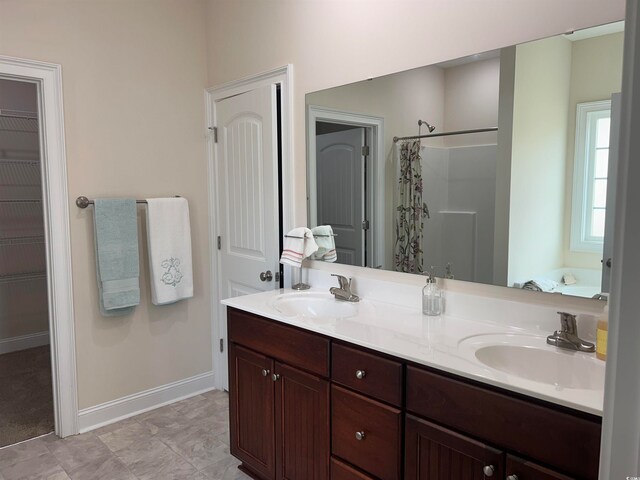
(507, 182)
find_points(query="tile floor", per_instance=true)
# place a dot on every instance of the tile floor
(187, 440)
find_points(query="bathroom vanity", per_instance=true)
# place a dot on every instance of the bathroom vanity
(307, 403)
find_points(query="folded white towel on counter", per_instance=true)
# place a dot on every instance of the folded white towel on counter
(169, 240)
(323, 235)
(298, 244)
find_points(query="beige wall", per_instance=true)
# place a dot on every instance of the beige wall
(596, 73)
(538, 158)
(133, 78)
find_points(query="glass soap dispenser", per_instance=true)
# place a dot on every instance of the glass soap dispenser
(431, 297)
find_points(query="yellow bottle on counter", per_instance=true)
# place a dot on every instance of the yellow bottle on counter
(601, 334)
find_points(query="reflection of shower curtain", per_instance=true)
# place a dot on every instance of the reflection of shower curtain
(410, 211)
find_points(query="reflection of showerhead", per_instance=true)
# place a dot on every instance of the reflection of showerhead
(429, 126)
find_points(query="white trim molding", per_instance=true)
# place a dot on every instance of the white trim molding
(48, 78)
(125, 407)
(282, 76)
(22, 342)
(377, 200)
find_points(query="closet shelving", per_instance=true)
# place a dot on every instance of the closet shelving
(22, 252)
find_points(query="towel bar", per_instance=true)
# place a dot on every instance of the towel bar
(84, 202)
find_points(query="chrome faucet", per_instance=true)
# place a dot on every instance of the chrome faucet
(567, 336)
(344, 292)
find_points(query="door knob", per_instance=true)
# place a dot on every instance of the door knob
(266, 276)
(488, 470)
(360, 374)
(512, 477)
(359, 435)
(275, 377)
(265, 372)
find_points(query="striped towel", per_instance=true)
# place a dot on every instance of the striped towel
(323, 235)
(298, 245)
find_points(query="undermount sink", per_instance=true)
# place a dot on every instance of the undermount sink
(313, 305)
(530, 358)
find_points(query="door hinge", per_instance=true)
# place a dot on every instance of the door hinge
(222, 345)
(365, 151)
(365, 224)
(214, 130)
(219, 242)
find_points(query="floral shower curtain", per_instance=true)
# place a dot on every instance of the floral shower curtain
(411, 211)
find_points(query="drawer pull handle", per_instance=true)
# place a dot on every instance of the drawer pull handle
(512, 477)
(265, 372)
(360, 374)
(359, 435)
(275, 377)
(488, 471)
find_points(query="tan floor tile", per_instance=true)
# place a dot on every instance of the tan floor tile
(22, 451)
(41, 467)
(107, 468)
(74, 452)
(154, 460)
(130, 434)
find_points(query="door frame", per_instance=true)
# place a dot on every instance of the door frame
(282, 76)
(375, 125)
(48, 78)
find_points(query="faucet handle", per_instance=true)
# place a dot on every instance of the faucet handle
(345, 283)
(568, 323)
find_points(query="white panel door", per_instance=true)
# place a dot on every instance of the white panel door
(247, 188)
(340, 191)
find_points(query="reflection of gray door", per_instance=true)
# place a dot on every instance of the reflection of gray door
(340, 187)
(612, 174)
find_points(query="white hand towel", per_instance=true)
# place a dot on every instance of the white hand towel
(298, 245)
(169, 240)
(323, 235)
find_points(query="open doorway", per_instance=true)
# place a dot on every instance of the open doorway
(26, 391)
(346, 182)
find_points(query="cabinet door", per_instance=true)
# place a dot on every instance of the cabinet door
(302, 425)
(436, 453)
(251, 409)
(518, 469)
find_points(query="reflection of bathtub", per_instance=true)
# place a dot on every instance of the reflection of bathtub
(587, 281)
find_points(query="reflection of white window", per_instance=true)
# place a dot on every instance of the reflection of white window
(591, 165)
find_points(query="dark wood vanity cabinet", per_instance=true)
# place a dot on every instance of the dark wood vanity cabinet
(306, 407)
(279, 414)
(434, 452)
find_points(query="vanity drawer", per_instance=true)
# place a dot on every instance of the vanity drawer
(305, 350)
(557, 438)
(342, 471)
(367, 373)
(379, 451)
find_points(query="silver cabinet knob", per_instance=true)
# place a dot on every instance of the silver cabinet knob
(266, 276)
(360, 374)
(512, 477)
(275, 377)
(265, 372)
(488, 470)
(359, 435)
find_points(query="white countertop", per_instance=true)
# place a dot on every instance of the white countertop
(446, 343)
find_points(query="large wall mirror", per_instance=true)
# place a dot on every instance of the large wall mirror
(492, 168)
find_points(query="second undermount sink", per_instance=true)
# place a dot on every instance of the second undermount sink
(530, 358)
(313, 305)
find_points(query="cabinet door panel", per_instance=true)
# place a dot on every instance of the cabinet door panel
(251, 410)
(525, 470)
(302, 425)
(435, 453)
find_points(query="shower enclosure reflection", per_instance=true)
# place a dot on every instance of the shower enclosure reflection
(523, 205)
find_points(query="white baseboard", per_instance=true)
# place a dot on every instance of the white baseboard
(13, 344)
(125, 407)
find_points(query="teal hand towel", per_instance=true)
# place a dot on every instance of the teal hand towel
(117, 266)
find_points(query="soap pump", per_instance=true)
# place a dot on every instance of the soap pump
(431, 297)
